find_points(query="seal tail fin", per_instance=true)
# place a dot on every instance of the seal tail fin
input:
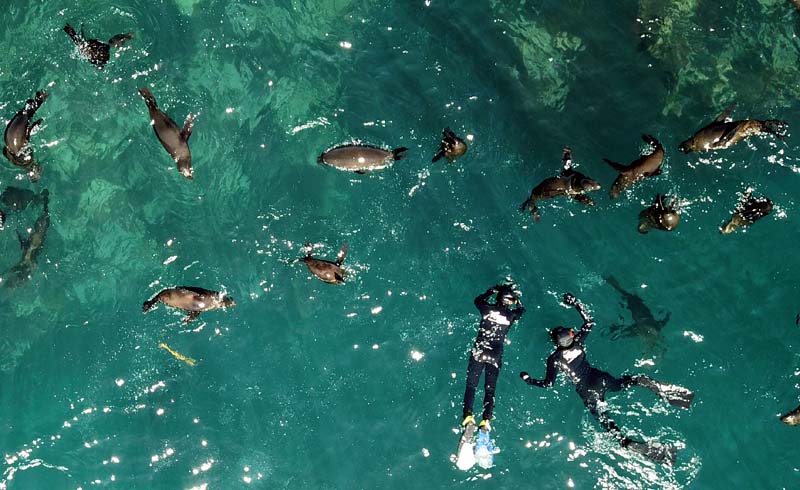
(774, 126)
(663, 454)
(616, 166)
(120, 39)
(148, 97)
(342, 254)
(72, 34)
(530, 205)
(396, 153)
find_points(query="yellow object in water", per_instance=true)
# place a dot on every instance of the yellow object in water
(178, 355)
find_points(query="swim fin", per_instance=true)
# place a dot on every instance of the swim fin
(658, 453)
(675, 395)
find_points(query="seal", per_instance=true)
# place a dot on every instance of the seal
(644, 166)
(31, 248)
(97, 52)
(747, 211)
(191, 300)
(360, 158)
(173, 139)
(570, 183)
(722, 132)
(2, 220)
(326, 271)
(791, 418)
(18, 134)
(659, 215)
(645, 325)
(451, 147)
(19, 199)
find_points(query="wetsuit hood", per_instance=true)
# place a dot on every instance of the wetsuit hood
(563, 337)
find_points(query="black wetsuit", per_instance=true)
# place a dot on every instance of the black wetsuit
(487, 351)
(592, 385)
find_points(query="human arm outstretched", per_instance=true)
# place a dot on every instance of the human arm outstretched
(549, 377)
(588, 322)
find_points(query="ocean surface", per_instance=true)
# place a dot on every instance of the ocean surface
(307, 385)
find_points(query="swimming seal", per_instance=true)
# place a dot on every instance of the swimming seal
(723, 132)
(173, 139)
(747, 211)
(644, 166)
(791, 418)
(451, 146)
(190, 299)
(31, 248)
(19, 199)
(569, 183)
(659, 215)
(360, 158)
(97, 52)
(18, 134)
(326, 271)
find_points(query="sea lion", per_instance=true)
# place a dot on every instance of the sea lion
(747, 211)
(97, 52)
(791, 418)
(644, 166)
(451, 147)
(173, 139)
(17, 137)
(723, 132)
(31, 248)
(19, 199)
(569, 183)
(326, 271)
(190, 299)
(659, 215)
(360, 158)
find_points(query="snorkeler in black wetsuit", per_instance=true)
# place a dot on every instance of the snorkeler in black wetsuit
(487, 351)
(592, 384)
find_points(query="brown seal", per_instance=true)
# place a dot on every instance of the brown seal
(569, 183)
(451, 146)
(360, 158)
(18, 134)
(97, 52)
(644, 166)
(748, 211)
(172, 138)
(659, 215)
(325, 270)
(31, 249)
(722, 132)
(190, 299)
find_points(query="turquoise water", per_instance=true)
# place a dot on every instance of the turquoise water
(308, 385)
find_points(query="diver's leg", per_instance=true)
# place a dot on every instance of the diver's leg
(474, 370)
(490, 382)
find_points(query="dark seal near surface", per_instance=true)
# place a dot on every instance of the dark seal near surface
(451, 146)
(748, 211)
(326, 271)
(360, 158)
(172, 138)
(193, 300)
(644, 166)
(569, 183)
(722, 132)
(32, 247)
(97, 52)
(659, 215)
(17, 137)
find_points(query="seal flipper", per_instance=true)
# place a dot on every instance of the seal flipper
(342, 254)
(23, 242)
(186, 132)
(725, 113)
(120, 39)
(566, 160)
(73, 35)
(616, 166)
(396, 153)
(33, 128)
(192, 316)
(438, 156)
